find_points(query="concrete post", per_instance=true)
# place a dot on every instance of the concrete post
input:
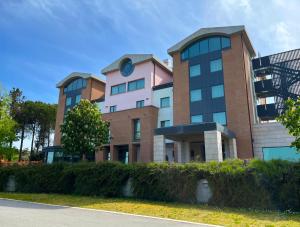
(213, 146)
(159, 148)
(232, 148)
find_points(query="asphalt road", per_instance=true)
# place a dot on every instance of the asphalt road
(23, 214)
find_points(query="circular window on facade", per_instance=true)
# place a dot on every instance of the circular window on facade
(127, 67)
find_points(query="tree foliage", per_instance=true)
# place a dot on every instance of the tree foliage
(83, 129)
(291, 120)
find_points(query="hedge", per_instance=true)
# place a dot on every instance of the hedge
(258, 184)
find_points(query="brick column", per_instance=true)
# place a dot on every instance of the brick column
(213, 146)
(159, 148)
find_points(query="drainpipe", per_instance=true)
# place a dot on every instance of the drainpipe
(249, 118)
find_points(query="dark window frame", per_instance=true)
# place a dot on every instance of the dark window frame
(163, 98)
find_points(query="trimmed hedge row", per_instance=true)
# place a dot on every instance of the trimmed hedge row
(259, 184)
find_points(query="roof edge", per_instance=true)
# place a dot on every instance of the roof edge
(75, 75)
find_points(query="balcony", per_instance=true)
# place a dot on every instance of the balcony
(267, 112)
(265, 88)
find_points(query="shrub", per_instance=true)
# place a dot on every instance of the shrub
(260, 184)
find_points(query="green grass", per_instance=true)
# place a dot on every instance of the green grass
(187, 212)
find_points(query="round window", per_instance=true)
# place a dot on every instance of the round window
(127, 67)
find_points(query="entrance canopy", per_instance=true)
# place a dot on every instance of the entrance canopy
(180, 132)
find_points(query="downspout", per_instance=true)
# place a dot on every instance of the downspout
(249, 118)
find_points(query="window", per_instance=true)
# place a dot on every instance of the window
(217, 91)
(112, 109)
(195, 70)
(194, 50)
(140, 104)
(165, 102)
(196, 95)
(127, 67)
(77, 99)
(196, 119)
(216, 65)
(204, 46)
(75, 84)
(220, 118)
(225, 42)
(68, 101)
(214, 44)
(165, 123)
(136, 85)
(284, 153)
(136, 129)
(117, 89)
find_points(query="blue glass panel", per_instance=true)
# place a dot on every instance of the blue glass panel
(196, 95)
(127, 67)
(220, 118)
(195, 70)
(214, 44)
(77, 99)
(225, 42)
(216, 65)
(196, 119)
(194, 50)
(204, 46)
(217, 91)
(284, 153)
(185, 54)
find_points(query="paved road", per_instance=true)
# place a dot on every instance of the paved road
(23, 214)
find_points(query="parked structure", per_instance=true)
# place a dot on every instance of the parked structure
(202, 108)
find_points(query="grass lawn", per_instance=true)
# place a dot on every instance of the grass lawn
(187, 212)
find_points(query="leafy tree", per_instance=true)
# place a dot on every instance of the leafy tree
(7, 124)
(291, 120)
(83, 129)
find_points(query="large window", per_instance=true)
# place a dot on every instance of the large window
(217, 91)
(75, 85)
(196, 95)
(220, 118)
(77, 99)
(165, 102)
(165, 123)
(195, 70)
(284, 153)
(140, 104)
(117, 89)
(112, 109)
(204, 46)
(135, 85)
(216, 65)
(68, 101)
(136, 129)
(196, 119)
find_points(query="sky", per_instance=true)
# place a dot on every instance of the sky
(43, 41)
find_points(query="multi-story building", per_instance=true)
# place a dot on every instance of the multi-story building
(212, 103)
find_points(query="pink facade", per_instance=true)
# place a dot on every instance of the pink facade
(128, 99)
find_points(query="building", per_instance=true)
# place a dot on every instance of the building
(213, 103)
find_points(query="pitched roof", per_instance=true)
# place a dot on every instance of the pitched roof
(204, 32)
(74, 75)
(135, 58)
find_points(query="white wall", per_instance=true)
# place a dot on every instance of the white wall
(269, 135)
(164, 113)
(101, 106)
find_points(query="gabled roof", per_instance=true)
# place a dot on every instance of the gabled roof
(135, 58)
(75, 75)
(204, 32)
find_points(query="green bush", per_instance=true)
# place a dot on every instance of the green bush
(259, 184)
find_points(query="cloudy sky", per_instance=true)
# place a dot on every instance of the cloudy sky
(42, 41)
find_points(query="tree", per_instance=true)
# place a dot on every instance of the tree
(7, 124)
(83, 129)
(291, 120)
(17, 98)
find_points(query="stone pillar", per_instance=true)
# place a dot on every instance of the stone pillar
(159, 148)
(213, 146)
(179, 146)
(186, 152)
(232, 148)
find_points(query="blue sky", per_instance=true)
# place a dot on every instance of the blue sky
(42, 41)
